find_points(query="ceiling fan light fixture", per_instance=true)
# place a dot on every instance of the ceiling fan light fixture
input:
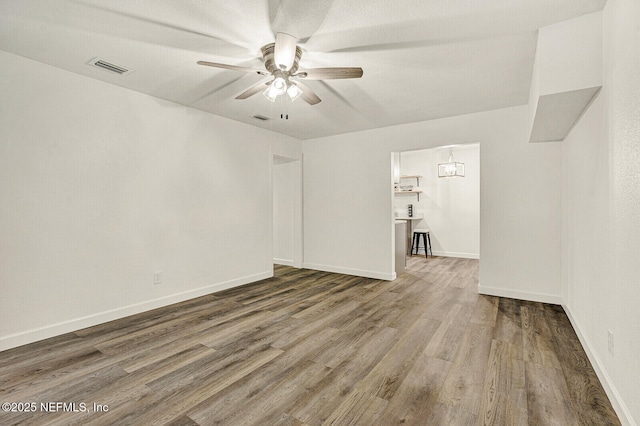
(279, 86)
(270, 93)
(294, 92)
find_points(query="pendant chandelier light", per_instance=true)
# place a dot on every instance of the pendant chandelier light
(451, 168)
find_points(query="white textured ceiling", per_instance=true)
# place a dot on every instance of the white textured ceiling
(422, 59)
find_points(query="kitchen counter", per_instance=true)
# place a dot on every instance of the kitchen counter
(414, 217)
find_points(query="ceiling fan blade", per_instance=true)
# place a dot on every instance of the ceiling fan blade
(232, 67)
(284, 52)
(329, 73)
(307, 94)
(253, 90)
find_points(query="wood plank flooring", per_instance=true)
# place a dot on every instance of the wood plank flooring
(315, 348)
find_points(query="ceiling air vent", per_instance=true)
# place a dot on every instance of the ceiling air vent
(101, 63)
(261, 117)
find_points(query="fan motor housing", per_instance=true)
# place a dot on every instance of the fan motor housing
(269, 62)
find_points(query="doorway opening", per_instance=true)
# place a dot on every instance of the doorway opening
(449, 208)
(287, 211)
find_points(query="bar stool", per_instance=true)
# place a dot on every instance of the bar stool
(426, 239)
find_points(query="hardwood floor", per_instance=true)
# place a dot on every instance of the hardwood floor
(315, 348)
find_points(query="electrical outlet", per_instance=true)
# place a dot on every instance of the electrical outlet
(610, 341)
(157, 277)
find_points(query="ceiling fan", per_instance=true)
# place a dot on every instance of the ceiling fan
(281, 61)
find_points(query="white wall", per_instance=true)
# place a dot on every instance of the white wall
(102, 186)
(601, 205)
(569, 56)
(347, 207)
(348, 204)
(450, 206)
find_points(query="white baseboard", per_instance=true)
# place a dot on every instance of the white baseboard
(349, 271)
(285, 262)
(34, 335)
(522, 295)
(612, 392)
(450, 254)
(456, 254)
